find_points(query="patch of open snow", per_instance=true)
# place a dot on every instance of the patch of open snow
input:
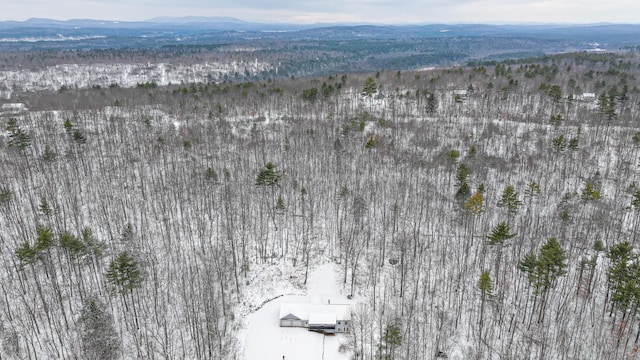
(324, 286)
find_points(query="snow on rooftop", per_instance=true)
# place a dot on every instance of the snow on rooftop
(586, 96)
(304, 311)
(13, 106)
(322, 319)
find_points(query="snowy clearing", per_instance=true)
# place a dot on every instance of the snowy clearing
(265, 339)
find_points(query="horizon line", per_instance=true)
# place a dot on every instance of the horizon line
(203, 19)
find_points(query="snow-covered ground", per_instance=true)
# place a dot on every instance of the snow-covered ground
(124, 75)
(263, 338)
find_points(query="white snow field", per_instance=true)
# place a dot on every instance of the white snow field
(265, 339)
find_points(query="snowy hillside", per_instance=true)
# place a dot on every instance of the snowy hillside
(485, 212)
(72, 76)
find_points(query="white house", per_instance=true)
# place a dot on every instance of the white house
(325, 318)
(13, 107)
(586, 97)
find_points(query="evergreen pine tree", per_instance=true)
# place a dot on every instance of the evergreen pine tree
(100, 340)
(124, 273)
(500, 234)
(509, 200)
(370, 87)
(268, 176)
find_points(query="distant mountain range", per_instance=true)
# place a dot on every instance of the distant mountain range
(230, 23)
(38, 33)
(210, 23)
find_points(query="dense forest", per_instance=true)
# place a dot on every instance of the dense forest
(487, 211)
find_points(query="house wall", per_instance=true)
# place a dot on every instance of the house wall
(342, 326)
(293, 323)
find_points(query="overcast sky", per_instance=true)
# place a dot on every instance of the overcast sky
(312, 11)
